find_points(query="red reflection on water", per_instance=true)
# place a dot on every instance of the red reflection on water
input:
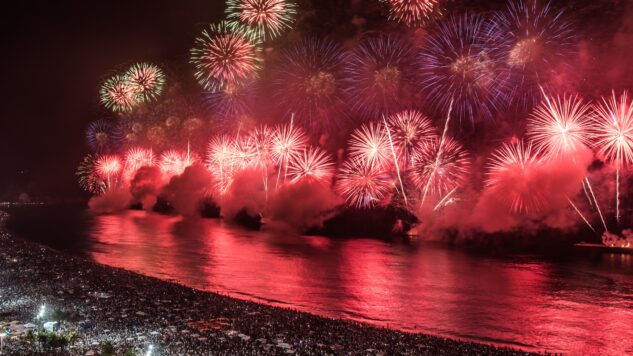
(573, 308)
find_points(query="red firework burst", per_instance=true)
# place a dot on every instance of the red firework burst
(288, 140)
(261, 143)
(412, 12)
(312, 163)
(370, 144)
(174, 162)
(410, 132)
(108, 166)
(136, 158)
(363, 185)
(612, 127)
(560, 126)
(438, 169)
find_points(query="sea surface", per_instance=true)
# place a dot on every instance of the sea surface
(579, 305)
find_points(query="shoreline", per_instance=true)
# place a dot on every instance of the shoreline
(130, 312)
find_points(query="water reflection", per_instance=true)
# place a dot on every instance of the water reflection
(573, 307)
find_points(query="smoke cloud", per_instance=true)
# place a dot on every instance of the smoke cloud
(246, 193)
(300, 206)
(146, 185)
(187, 191)
(552, 183)
(111, 201)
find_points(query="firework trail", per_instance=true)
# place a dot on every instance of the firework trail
(511, 163)
(146, 81)
(224, 56)
(412, 13)
(395, 161)
(438, 156)
(267, 19)
(312, 163)
(613, 135)
(410, 131)
(580, 214)
(440, 167)
(362, 185)
(308, 81)
(379, 76)
(560, 126)
(370, 145)
(459, 67)
(596, 204)
(117, 94)
(445, 200)
(536, 38)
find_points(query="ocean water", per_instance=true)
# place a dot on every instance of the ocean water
(580, 305)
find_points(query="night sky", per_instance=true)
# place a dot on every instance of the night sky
(54, 56)
(56, 53)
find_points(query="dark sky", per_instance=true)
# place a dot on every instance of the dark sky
(54, 54)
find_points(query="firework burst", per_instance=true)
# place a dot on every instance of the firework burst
(267, 19)
(220, 153)
(440, 166)
(536, 38)
(509, 173)
(108, 168)
(261, 143)
(89, 180)
(146, 81)
(224, 57)
(363, 185)
(410, 132)
(370, 144)
(174, 162)
(117, 94)
(459, 65)
(379, 76)
(100, 136)
(288, 140)
(313, 164)
(137, 157)
(308, 82)
(232, 101)
(560, 126)
(613, 135)
(613, 129)
(222, 161)
(412, 13)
